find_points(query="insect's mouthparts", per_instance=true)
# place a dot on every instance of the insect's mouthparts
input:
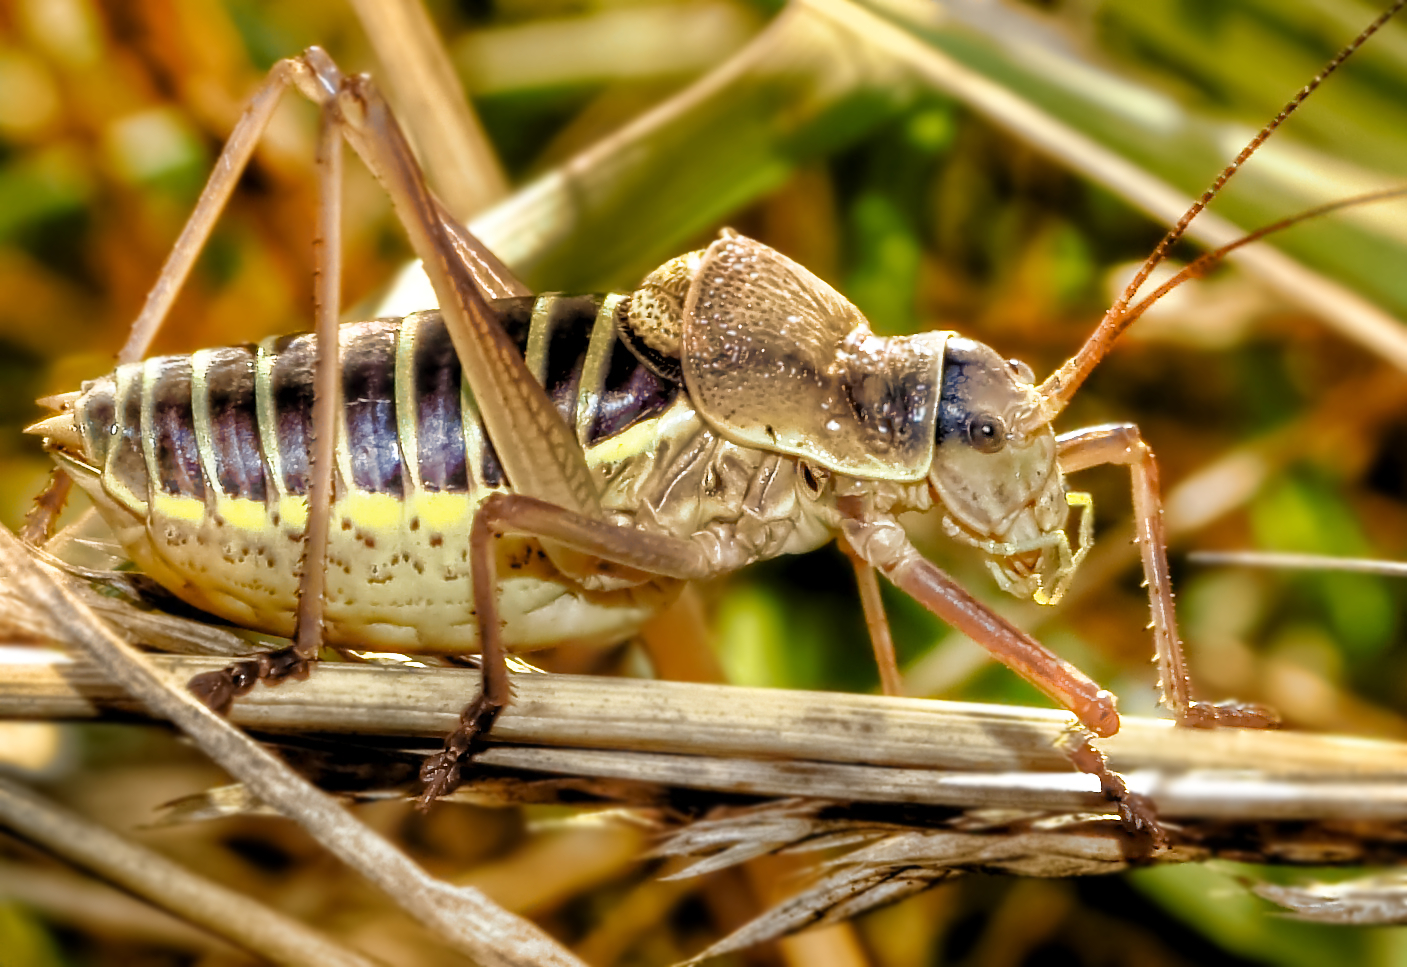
(1026, 563)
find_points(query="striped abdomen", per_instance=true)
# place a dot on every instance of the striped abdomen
(200, 463)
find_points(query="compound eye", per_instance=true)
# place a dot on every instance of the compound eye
(986, 433)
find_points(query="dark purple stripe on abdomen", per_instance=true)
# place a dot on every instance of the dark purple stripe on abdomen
(234, 425)
(125, 459)
(629, 394)
(369, 398)
(439, 424)
(168, 381)
(291, 384)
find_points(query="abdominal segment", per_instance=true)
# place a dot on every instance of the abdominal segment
(200, 463)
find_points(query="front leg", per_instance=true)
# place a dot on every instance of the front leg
(881, 542)
(617, 552)
(1122, 444)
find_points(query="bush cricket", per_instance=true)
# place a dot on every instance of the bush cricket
(482, 477)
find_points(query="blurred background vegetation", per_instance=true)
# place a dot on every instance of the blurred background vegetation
(1273, 431)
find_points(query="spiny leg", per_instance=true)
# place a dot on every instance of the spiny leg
(351, 109)
(218, 689)
(39, 522)
(557, 498)
(881, 542)
(441, 772)
(1123, 444)
(876, 622)
(327, 391)
(541, 454)
(618, 553)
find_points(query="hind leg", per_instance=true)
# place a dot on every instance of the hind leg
(234, 158)
(354, 111)
(218, 689)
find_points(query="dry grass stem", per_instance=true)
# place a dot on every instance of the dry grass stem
(464, 917)
(82, 903)
(430, 101)
(784, 743)
(223, 912)
(1346, 311)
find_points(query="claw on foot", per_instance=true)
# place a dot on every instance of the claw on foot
(442, 771)
(1230, 715)
(1139, 816)
(1137, 812)
(218, 690)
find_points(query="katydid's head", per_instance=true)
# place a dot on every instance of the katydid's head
(995, 473)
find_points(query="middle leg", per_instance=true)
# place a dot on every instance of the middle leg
(620, 554)
(877, 622)
(880, 541)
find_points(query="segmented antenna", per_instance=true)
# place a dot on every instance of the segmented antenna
(1061, 385)
(1208, 261)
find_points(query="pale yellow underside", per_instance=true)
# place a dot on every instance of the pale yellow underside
(398, 571)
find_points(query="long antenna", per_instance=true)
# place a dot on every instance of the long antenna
(1061, 385)
(1206, 262)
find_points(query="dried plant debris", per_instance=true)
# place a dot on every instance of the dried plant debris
(1364, 901)
(222, 802)
(1281, 436)
(886, 856)
(888, 861)
(225, 913)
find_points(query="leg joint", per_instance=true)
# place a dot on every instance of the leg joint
(1117, 443)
